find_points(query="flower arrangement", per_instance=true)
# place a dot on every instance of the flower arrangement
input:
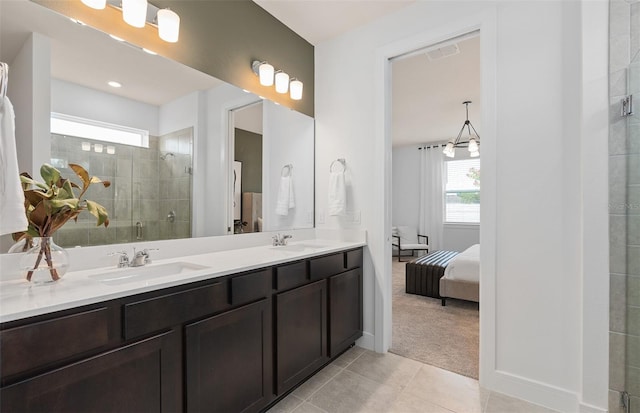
(50, 204)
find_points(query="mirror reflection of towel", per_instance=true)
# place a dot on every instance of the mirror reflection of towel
(285, 196)
(337, 194)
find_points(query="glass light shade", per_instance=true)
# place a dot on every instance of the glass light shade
(97, 147)
(168, 25)
(134, 12)
(95, 4)
(111, 150)
(474, 154)
(266, 74)
(295, 89)
(473, 144)
(449, 150)
(282, 82)
(86, 146)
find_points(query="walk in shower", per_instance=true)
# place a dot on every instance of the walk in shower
(624, 206)
(150, 197)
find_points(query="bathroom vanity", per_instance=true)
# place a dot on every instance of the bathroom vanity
(218, 341)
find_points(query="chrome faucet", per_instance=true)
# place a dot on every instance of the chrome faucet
(123, 261)
(280, 240)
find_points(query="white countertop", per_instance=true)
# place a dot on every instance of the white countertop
(21, 299)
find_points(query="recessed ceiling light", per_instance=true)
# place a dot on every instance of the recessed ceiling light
(151, 52)
(116, 38)
(114, 84)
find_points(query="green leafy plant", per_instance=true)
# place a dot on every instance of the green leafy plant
(50, 204)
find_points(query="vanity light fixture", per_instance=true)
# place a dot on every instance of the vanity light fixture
(96, 4)
(135, 12)
(111, 150)
(86, 146)
(472, 142)
(283, 81)
(116, 38)
(97, 147)
(113, 83)
(168, 25)
(151, 52)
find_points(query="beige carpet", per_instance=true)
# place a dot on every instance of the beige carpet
(423, 330)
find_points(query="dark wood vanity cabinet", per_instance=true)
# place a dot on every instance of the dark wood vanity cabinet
(230, 344)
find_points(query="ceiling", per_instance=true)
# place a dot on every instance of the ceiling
(320, 20)
(90, 58)
(427, 95)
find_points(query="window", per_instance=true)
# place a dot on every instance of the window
(462, 191)
(100, 131)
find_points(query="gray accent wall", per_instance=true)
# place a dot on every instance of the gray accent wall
(248, 150)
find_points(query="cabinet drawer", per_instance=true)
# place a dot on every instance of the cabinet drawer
(156, 313)
(250, 287)
(324, 267)
(354, 259)
(37, 344)
(291, 275)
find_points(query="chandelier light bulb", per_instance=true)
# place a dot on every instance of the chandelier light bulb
(295, 88)
(95, 4)
(282, 82)
(168, 25)
(473, 144)
(134, 12)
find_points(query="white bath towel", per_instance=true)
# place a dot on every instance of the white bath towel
(12, 215)
(285, 196)
(337, 194)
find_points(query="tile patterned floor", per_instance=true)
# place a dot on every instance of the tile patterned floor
(367, 382)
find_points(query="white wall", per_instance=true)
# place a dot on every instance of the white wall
(287, 137)
(532, 347)
(29, 90)
(406, 200)
(76, 100)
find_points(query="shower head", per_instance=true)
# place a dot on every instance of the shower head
(166, 155)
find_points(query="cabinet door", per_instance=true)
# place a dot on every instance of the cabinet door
(140, 377)
(345, 310)
(228, 360)
(301, 339)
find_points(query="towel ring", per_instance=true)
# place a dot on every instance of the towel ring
(340, 161)
(288, 167)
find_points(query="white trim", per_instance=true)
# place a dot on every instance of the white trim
(485, 22)
(366, 341)
(587, 408)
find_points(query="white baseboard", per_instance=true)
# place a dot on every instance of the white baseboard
(588, 408)
(366, 341)
(536, 392)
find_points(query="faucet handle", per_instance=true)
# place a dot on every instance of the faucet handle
(147, 256)
(124, 258)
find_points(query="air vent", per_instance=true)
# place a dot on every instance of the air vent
(442, 52)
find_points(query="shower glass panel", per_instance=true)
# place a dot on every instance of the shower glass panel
(150, 194)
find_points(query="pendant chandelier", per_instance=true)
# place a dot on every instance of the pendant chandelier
(471, 142)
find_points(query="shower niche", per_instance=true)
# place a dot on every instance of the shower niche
(150, 197)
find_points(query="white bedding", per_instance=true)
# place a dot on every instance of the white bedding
(465, 266)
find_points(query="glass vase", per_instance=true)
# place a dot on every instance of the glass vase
(45, 262)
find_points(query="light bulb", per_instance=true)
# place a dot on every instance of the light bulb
(473, 144)
(168, 25)
(266, 74)
(295, 88)
(282, 82)
(134, 12)
(95, 4)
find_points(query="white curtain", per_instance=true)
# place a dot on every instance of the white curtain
(432, 196)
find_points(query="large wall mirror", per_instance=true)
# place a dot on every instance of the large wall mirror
(200, 157)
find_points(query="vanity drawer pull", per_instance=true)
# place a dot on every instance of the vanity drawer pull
(62, 337)
(291, 275)
(324, 267)
(250, 287)
(156, 313)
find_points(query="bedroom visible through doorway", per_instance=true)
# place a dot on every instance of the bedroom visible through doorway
(436, 201)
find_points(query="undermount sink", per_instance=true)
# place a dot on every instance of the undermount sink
(298, 247)
(134, 274)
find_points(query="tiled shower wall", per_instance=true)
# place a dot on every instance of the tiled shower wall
(146, 185)
(624, 206)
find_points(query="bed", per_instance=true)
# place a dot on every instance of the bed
(462, 276)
